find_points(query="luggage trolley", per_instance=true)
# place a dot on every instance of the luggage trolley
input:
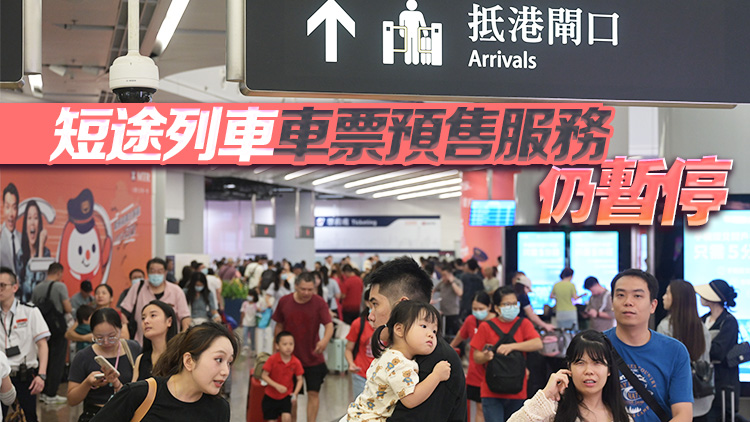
(430, 47)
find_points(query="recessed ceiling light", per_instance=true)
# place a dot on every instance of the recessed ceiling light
(405, 182)
(418, 187)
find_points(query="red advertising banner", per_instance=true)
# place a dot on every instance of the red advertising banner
(302, 134)
(95, 221)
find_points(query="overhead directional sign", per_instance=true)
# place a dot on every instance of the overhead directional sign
(332, 14)
(11, 41)
(635, 51)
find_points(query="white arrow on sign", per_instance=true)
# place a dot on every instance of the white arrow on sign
(330, 13)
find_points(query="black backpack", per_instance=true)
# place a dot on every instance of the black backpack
(54, 318)
(506, 373)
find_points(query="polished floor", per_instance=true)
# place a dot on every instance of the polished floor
(335, 396)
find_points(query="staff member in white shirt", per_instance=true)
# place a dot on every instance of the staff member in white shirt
(22, 327)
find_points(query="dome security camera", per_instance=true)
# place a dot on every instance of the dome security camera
(134, 78)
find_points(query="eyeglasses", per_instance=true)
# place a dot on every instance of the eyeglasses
(4, 286)
(108, 339)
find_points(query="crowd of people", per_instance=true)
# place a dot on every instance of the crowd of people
(164, 351)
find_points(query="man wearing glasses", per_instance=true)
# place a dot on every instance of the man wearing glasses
(55, 291)
(24, 338)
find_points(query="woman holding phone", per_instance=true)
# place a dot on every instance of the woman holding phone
(588, 390)
(92, 382)
(187, 380)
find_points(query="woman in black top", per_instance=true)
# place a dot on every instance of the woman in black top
(158, 328)
(718, 295)
(189, 377)
(88, 381)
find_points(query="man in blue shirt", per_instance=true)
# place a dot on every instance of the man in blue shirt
(660, 362)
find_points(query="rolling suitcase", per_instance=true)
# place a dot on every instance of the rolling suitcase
(336, 360)
(724, 404)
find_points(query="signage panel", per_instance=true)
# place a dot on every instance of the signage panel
(584, 49)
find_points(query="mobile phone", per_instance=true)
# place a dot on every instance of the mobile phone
(104, 363)
(488, 347)
(98, 377)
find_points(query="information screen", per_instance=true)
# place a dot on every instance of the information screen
(594, 253)
(492, 213)
(541, 255)
(721, 249)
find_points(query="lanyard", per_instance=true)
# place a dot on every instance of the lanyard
(9, 329)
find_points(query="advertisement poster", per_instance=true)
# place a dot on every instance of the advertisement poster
(96, 222)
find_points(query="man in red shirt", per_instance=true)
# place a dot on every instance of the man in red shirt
(301, 313)
(351, 294)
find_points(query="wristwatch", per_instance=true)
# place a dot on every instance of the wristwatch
(42, 376)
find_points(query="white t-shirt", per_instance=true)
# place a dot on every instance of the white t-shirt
(214, 285)
(249, 309)
(4, 371)
(390, 378)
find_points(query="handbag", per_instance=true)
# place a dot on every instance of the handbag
(703, 378)
(265, 318)
(15, 413)
(739, 353)
(140, 413)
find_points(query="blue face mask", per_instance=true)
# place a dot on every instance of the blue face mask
(509, 312)
(204, 271)
(284, 276)
(480, 315)
(136, 281)
(198, 288)
(156, 279)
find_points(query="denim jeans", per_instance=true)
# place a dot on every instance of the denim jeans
(499, 410)
(358, 385)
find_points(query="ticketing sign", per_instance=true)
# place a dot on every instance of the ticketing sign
(584, 49)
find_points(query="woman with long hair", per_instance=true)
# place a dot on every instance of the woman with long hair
(159, 326)
(498, 406)
(683, 324)
(189, 377)
(202, 303)
(92, 383)
(480, 311)
(33, 239)
(719, 296)
(594, 393)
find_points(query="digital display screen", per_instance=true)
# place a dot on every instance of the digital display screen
(721, 249)
(596, 254)
(541, 256)
(492, 213)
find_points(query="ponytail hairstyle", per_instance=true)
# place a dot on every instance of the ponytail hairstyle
(194, 341)
(599, 349)
(105, 315)
(406, 313)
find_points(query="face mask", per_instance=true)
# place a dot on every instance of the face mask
(284, 276)
(480, 315)
(204, 271)
(136, 281)
(250, 299)
(198, 288)
(509, 312)
(265, 267)
(156, 279)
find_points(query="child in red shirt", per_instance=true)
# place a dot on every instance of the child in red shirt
(279, 372)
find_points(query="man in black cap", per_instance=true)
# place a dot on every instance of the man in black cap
(83, 297)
